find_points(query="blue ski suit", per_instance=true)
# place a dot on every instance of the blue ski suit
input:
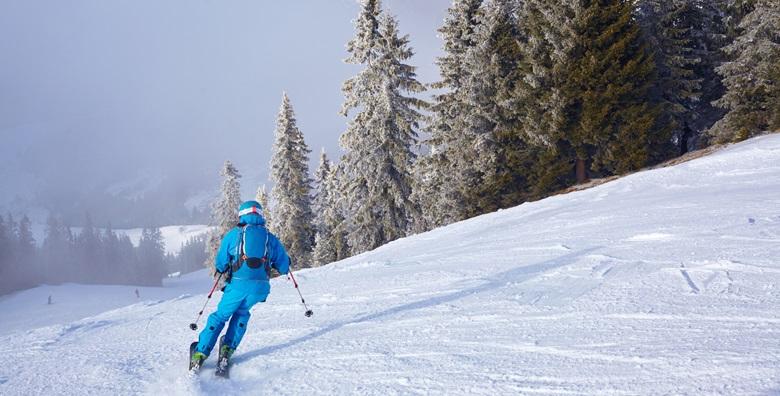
(248, 285)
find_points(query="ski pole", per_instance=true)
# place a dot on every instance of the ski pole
(194, 325)
(308, 312)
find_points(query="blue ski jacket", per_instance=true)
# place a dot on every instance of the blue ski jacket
(259, 247)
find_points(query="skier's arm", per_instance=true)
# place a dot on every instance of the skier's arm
(224, 257)
(278, 255)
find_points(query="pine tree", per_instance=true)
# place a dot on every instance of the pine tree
(473, 151)
(610, 116)
(324, 251)
(494, 163)
(127, 265)
(15, 270)
(262, 198)
(331, 241)
(71, 258)
(54, 249)
(19, 256)
(378, 141)
(5, 257)
(364, 47)
(25, 237)
(12, 227)
(752, 97)
(191, 255)
(224, 211)
(440, 202)
(321, 195)
(478, 157)
(110, 256)
(87, 244)
(546, 40)
(292, 214)
(687, 35)
(27, 252)
(151, 256)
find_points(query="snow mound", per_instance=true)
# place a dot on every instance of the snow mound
(661, 282)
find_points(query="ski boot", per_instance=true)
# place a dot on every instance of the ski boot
(196, 358)
(223, 363)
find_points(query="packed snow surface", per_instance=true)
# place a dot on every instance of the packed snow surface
(30, 309)
(662, 282)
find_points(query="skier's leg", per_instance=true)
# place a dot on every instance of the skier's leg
(231, 301)
(237, 328)
(240, 319)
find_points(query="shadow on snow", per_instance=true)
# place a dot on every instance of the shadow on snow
(514, 275)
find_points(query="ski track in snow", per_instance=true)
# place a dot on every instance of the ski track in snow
(663, 282)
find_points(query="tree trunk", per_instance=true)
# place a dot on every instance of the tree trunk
(582, 175)
(687, 134)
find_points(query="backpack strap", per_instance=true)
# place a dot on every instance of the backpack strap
(240, 253)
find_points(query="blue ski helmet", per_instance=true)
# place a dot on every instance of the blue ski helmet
(250, 207)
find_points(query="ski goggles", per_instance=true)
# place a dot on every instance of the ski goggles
(250, 210)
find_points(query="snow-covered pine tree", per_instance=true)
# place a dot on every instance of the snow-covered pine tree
(331, 243)
(363, 48)
(224, 215)
(752, 97)
(324, 251)
(546, 40)
(378, 140)
(488, 165)
(262, 198)
(440, 202)
(736, 10)
(687, 36)
(292, 215)
(321, 192)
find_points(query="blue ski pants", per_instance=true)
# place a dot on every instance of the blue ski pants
(239, 297)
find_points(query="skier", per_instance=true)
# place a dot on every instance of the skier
(137, 294)
(246, 255)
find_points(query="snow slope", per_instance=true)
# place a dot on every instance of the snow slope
(662, 282)
(29, 309)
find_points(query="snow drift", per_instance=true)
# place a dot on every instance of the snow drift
(662, 282)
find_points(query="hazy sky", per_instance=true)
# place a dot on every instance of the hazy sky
(98, 91)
